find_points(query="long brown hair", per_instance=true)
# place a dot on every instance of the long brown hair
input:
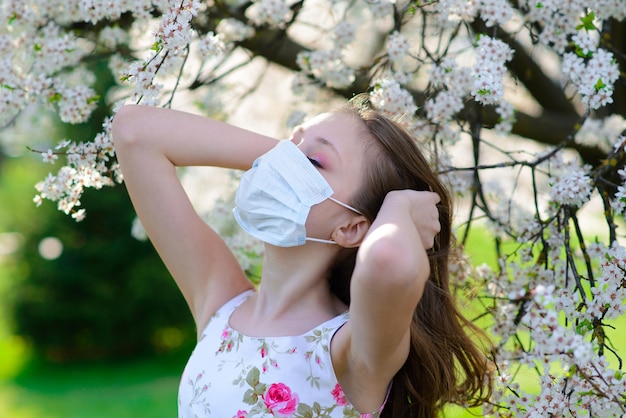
(445, 362)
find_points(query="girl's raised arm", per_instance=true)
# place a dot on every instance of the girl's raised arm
(150, 143)
(388, 280)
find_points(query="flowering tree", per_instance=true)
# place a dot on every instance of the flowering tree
(466, 76)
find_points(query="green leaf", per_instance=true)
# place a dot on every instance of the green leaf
(55, 98)
(581, 54)
(12, 18)
(157, 46)
(250, 397)
(587, 22)
(253, 377)
(260, 388)
(584, 326)
(599, 85)
(305, 410)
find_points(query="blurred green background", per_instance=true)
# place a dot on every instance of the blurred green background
(98, 330)
(91, 324)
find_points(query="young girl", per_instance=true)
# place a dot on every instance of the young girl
(353, 317)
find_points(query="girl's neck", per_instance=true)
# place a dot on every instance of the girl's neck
(294, 294)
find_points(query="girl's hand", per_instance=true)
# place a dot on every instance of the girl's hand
(422, 208)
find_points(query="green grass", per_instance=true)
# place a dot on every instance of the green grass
(32, 389)
(142, 388)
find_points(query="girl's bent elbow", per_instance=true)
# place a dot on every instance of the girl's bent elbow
(122, 127)
(397, 266)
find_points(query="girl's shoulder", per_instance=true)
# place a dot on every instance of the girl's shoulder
(224, 312)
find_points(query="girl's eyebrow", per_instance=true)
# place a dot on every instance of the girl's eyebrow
(327, 143)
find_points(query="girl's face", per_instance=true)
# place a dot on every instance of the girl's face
(333, 142)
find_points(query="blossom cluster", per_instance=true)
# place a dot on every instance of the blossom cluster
(273, 13)
(232, 30)
(609, 290)
(602, 133)
(493, 12)
(571, 188)
(390, 97)
(618, 204)
(89, 164)
(560, 18)
(489, 69)
(175, 32)
(456, 82)
(593, 77)
(326, 66)
(564, 352)
(397, 47)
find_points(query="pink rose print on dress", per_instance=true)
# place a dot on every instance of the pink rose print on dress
(280, 401)
(338, 396)
(241, 414)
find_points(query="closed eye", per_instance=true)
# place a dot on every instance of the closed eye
(315, 163)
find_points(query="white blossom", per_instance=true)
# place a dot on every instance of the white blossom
(593, 78)
(326, 66)
(212, 45)
(232, 30)
(571, 188)
(584, 41)
(111, 37)
(397, 47)
(273, 13)
(76, 103)
(390, 97)
(489, 70)
(495, 12)
(343, 34)
(443, 106)
(380, 8)
(601, 133)
(49, 156)
(452, 11)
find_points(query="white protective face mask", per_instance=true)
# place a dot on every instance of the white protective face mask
(275, 196)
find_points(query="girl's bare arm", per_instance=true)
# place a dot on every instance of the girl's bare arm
(389, 277)
(150, 144)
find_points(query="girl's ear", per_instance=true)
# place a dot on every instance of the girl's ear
(351, 235)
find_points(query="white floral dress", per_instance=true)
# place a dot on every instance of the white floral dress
(231, 375)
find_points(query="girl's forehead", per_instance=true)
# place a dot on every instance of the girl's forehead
(334, 119)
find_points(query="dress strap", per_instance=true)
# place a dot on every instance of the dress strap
(336, 322)
(380, 410)
(230, 306)
(224, 312)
